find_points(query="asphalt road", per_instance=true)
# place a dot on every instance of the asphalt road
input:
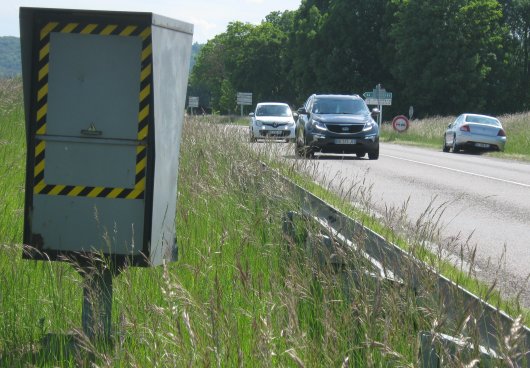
(476, 200)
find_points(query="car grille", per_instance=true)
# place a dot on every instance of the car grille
(274, 125)
(345, 129)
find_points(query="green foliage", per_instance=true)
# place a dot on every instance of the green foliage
(250, 57)
(442, 57)
(208, 73)
(445, 51)
(260, 68)
(517, 128)
(337, 47)
(227, 101)
(307, 23)
(12, 160)
(517, 14)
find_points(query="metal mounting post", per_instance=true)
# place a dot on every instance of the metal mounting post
(97, 303)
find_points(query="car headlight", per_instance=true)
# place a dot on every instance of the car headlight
(258, 123)
(316, 124)
(369, 125)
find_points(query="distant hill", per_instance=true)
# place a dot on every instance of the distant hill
(10, 56)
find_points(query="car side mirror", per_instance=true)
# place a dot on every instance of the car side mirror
(295, 115)
(251, 114)
(449, 126)
(375, 112)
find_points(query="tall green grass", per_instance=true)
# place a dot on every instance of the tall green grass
(428, 132)
(31, 299)
(518, 134)
(241, 293)
(12, 159)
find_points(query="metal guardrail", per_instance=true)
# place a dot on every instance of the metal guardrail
(392, 262)
(431, 345)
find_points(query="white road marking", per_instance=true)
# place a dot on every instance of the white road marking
(461, 171)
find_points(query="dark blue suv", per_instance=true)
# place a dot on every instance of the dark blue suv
(337, 124)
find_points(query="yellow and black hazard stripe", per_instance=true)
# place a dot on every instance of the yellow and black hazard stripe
(144, 110)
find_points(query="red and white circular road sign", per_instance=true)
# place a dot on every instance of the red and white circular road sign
(400, 123)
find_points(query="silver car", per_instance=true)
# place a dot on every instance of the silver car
(272, 120)
(474, 131)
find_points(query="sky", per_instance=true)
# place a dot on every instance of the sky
(209, 17)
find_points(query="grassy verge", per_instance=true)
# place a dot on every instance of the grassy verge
(429, 132)
(12, 159)
(417, 240)
(241, 293)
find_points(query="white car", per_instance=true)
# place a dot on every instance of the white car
(272, 120)
(474, 131)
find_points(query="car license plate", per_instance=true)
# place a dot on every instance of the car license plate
(275, 132)
(482, 145)
(345, 141)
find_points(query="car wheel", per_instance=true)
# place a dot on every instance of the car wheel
(360, 154)
(299, 147)
(302, 150)
(252, 138)
(456, 147)
(445, 147)
(374, 155)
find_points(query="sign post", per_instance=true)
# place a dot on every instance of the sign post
(379, 97)
(244, 98)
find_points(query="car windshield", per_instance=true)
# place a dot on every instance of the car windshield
(273, 110)
(482, 120)
(340, 106)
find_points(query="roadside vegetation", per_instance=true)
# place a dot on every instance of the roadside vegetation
(241, 293)
(428, 132)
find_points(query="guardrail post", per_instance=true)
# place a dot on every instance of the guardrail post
(288, 225)
(436, 348)
(428, 356)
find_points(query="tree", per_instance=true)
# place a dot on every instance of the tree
(302, 45)
(517, 14)
(338, 46)
(442, 57)
(245, 58)
(209, 72)
(260, 71)
(351, 44)
(445, 51)
(227, 100)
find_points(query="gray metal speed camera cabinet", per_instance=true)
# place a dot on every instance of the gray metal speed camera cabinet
(104, 96)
